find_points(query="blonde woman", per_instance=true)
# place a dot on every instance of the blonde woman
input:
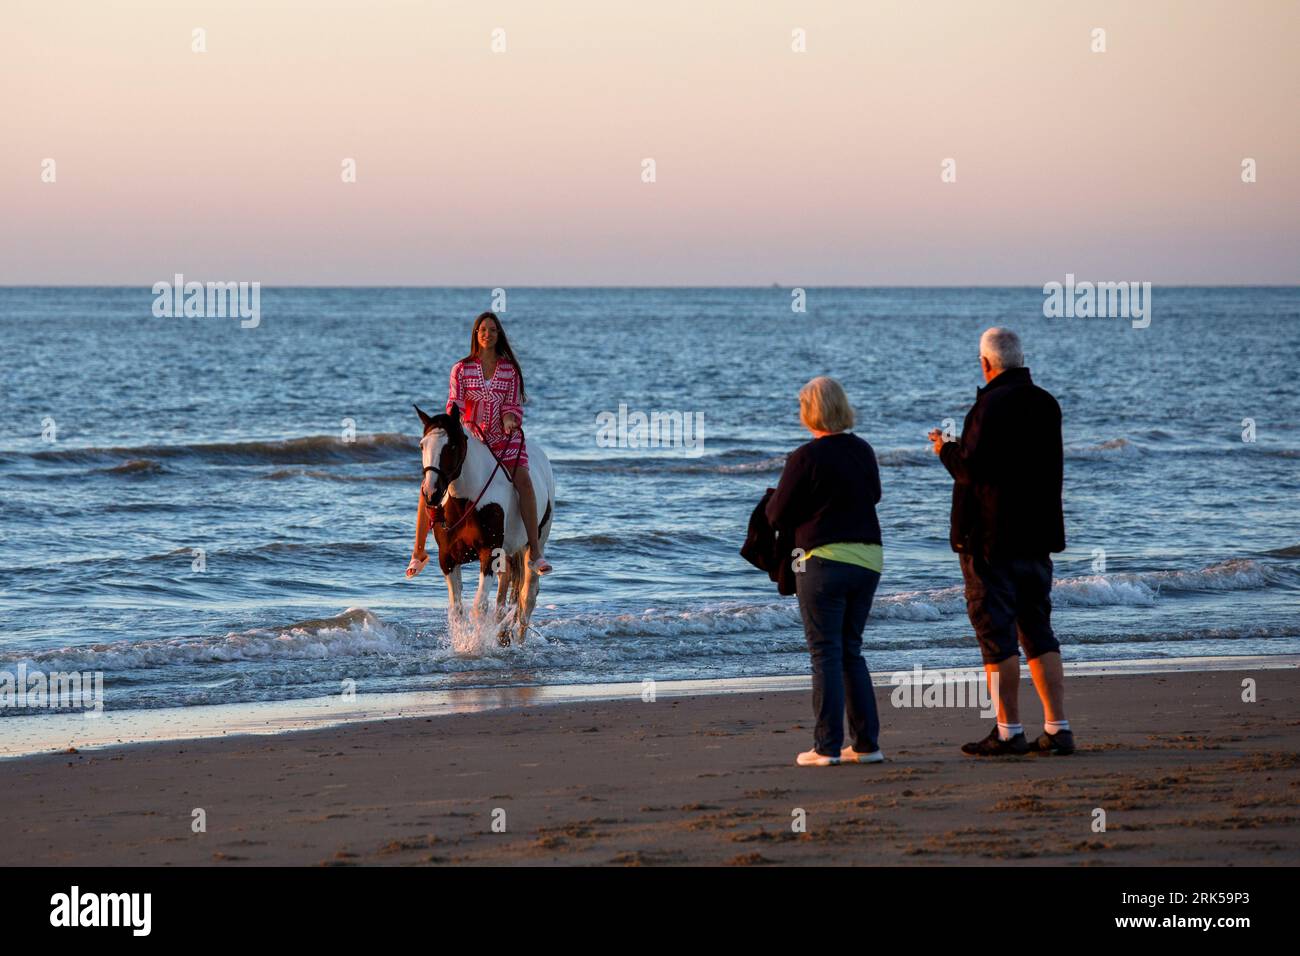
(827, 495)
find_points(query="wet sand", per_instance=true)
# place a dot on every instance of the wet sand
(1185, 771)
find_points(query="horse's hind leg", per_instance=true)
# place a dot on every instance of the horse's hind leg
(508, 596)
(527, 598)
(504, 583)
(503, 593)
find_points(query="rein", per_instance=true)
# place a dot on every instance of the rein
(500, 464)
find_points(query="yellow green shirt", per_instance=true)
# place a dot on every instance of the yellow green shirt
(869, 556)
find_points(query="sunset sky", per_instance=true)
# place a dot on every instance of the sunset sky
(524, 167)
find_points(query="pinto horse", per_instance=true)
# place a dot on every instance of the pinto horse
(470, 504)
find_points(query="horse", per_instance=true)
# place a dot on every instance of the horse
(473, 511)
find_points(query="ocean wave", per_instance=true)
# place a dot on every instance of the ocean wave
(284, 474)
(935, 604)
(137, 467)
(312, 449)
(354, 632)
(271, 551)
(727, 617)
(759, 462)
(134, 507)
(263, 552)
(624, 462)
(310, 658)
(642, 542)
(1239, 574)
(905, 457)
(591, 540)
(769, 465)
(1134, 590)
(1244, 632)
(1105, 449)
(670, 632)
(756, 461)
(1127, 447)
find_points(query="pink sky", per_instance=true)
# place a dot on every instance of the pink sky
(524, 167)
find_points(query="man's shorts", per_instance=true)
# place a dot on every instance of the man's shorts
(1010, 599)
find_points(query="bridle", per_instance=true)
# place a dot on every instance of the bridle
(429, 500)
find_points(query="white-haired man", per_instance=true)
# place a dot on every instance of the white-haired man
(1007, 520)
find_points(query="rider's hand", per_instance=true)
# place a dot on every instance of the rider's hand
(936, 437)
(509, 423)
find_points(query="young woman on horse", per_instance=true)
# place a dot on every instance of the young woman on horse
(487, 385)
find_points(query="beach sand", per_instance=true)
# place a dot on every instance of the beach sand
(1186, 772)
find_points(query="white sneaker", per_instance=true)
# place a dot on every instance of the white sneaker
(849, 755)
(811, 758)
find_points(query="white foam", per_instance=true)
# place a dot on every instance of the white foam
(358, 632)
(730, 617)
(355, 632)
(476, 635)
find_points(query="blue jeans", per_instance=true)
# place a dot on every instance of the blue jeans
(834, 599)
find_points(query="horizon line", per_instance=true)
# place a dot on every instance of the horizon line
(774, 285)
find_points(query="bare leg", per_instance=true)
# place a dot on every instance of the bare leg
(422, 525)
(528, 511)
(421, 529)
(1049, 681)
(1005, 676)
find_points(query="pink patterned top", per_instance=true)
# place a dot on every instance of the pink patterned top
(482, 403)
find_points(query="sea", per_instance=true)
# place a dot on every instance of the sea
(209, 511)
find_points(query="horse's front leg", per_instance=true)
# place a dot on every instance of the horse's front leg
(454, 608)
(481, 595)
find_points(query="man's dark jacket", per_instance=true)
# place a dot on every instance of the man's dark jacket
(1008, 470)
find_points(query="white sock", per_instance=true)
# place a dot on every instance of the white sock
(1007, 731)
(1055, 726)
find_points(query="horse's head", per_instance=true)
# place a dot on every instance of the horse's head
(443, 448)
